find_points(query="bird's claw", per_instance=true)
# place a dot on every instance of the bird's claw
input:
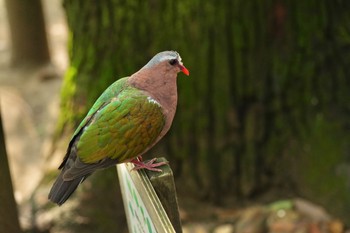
(149, 165)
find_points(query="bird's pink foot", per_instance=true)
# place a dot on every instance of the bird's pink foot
(149, 165)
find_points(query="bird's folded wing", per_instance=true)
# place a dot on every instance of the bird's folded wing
(122, 129)
(112, 91)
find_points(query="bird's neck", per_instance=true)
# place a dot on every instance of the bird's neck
(159, 84)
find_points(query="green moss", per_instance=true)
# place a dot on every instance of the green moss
(321, 164)
(68, 93)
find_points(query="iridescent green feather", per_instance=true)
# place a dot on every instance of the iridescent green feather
(111, 92)
(122, 129)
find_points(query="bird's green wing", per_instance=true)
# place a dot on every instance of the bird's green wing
(112, 91)
(122, 129)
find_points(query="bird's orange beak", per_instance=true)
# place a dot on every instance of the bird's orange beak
(184, 70)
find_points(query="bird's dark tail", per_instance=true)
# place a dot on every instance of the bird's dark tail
(62, 190)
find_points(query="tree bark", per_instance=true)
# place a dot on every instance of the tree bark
(8, 209)
(28, 33)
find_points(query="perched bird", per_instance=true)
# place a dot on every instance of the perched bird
(129, 118)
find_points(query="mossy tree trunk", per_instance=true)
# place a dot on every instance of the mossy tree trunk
(266, 78)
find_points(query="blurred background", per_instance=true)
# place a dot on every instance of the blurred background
(262, 124)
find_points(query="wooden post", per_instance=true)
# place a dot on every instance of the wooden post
(149, 199)
(8, 209)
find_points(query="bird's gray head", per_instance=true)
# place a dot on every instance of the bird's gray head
(172, 58)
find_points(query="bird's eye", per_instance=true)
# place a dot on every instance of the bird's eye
(173, 62)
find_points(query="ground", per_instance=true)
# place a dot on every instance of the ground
(30, 106)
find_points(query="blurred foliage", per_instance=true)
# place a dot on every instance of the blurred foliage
(268, 79)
